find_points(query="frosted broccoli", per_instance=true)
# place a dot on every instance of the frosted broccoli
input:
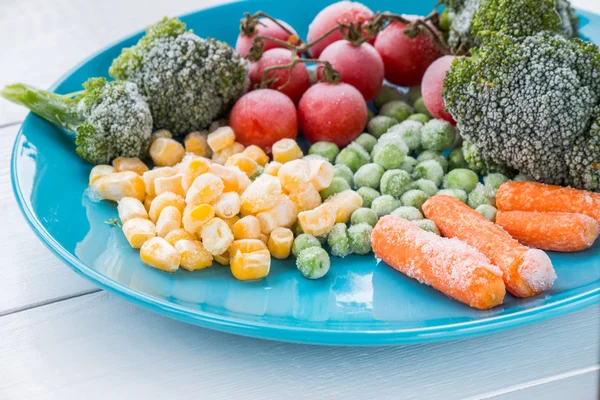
(186, 80)
(481, 164)
(529, 104)
(110, 119)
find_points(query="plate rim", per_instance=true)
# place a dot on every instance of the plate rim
(264, 330)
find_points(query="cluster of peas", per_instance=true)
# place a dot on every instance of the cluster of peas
(405, 158)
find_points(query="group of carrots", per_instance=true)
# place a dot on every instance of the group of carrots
(477, 261)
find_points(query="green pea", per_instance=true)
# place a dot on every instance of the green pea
(353, 156)
(297, 228)
(420, 107)
(368, 175)
(336, 186)
(422, 118)
(314, 157)
(366, 141)
(395, 182)
(342, 171)
(433, 155)
(384, 205)
(437, 135)
(456, 159)
(494, 181)
(364, 215)
(327, 150)
(427, 225)
(482, 195)
(430, 170)
(426, 186)
(370, 115)
(414, 93)
(390, 152)
(368, 195)
(338, 242)
(414, 198)
(408, 213)
(304, 241)
(408, 164)
(458, 193)
(380, 125)
(488, 211)
(446, 19)
(359, 237)
(396, 109)
(313, 262)
(387, 94)
(409, 132)
(461, 178)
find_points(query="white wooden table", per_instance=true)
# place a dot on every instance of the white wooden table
(63, 338)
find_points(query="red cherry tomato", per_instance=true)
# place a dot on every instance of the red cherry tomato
(432, 85)
(268, 28)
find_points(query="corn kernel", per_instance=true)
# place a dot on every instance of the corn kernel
(228, 205)
(99, 171)
(261, 195)
(138, 230)
(169, 220)
(161, 133)
(347, 201)
(283, 214)
(133, 164)
(196, 216)
(220, 157)
(166, 152)
(318, 221)
(178, 234)
(227, 175)
(272, 168)
(205, 189)
(246, 246)
(280, 243)
(194, 169)
(244, 163)
(242, 179)
(257, 154)
(182, 165)
(264, 238)
(171, 184)
(130, 207)
(321, 173)
(223, 259)
(294, 175)
(286, 150)
(148, 203)
(193, 255)
(158, 253)
(221, 138)
(247, 228)
(117, 185)
(151, 176)
(197, 143)
(250, 266)
(164, 200)
(306, 199)
(231, 221)
(216, 236)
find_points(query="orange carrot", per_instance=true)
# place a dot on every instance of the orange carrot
(531, 196)
(526, 271)
(552, 231)
(448, 265)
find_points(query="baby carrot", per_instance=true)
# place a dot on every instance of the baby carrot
(448, 265)
(531, 196)
(552, 231)
(526, 271)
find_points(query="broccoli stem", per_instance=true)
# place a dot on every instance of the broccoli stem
(59, 109)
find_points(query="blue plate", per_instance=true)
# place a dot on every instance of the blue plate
(357, 303)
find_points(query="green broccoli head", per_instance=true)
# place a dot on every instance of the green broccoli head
(525, 102)
(583, 161)
(186, 80)
(481, 164)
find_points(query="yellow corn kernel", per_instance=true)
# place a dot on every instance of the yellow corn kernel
(307, 199)
(166, 152)
(194, 169)
(257, 154)
(286, 150)
(227, 175)
(158, 253)
(117, 185)
(193, 255)
(228, 205)
(294, 176)
(196, 216)
(217, 124)
(130, 207)
(347, 202)
(182, 165)
(169, 220)
(161, 133)
(243, 181)
(220, 157)
(247, 228)
(318, 221)
(178, 234)
(280, 243)
(172, 184)
(246, 246)
(321, 173)
(133, 164)
(148, 203)
(221, 138)
(261, 195)
(205, 189)
(138, 230)
(272, 168)
(283, 214)
(250, 266)
(223, 259)
(151, 176)
(231, 221)
(244, 163)
(197, 143)
(216, 236)
(99, 171)
(164, 200)
(264, 238)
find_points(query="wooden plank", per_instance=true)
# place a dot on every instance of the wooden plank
(98, 346)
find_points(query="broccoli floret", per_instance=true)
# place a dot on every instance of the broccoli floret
(481, 164)
(529, 104)
(187, 81)
(569, 26)
(110, 119)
